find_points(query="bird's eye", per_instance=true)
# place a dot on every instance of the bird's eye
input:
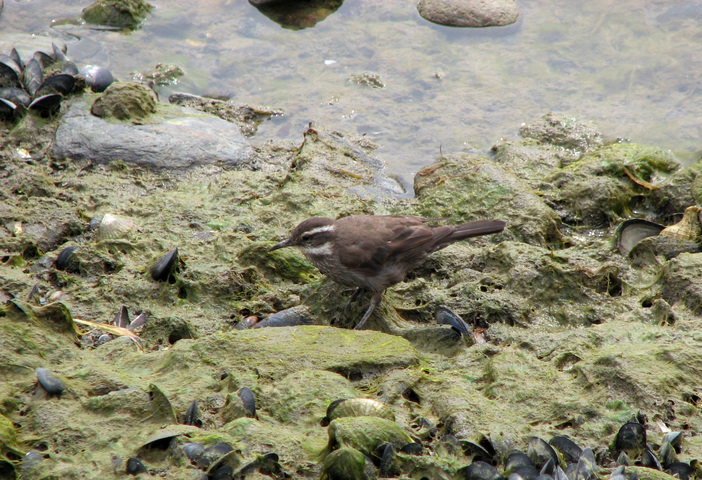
(306, 237)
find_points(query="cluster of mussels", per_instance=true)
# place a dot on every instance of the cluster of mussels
(40, 84)
(220, 461)
(365, 442)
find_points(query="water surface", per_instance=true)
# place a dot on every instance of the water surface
(633, 68)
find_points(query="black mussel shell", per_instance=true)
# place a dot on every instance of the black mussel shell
(446, 316)
(560, 474)
(33, 76)
(165, 266)
(413, 448)
(30, 464)
(569, 449)
(8, 110)
(330, 411)
(44, 59)
(15, 56)
(480, 471)
(59, 54)
(586, 467)
(623, 459)
(549, 468)
(212, 454)
(289, 317)
(247, 398)
(193, 451)
(62, 83)
(7, 60)
(618, 474)
(51, 384)
(266, 464)
(450, 444)
(192, 415)
(70, 68)
(269, 465)
(122, 318)
(387, 465)
(481, 450)
(631, 439)
(675, 439)
(15, 95)
(8, 75)
(633, 231)
(648, 459)
(63, 261)
(135, 466)
(139, 321)
(682, 470)
(541, 452)
(516, 460)
(525, 472)
(232, 459)
(98, 78)
(668, 455)
(225, 472)
(46, 105)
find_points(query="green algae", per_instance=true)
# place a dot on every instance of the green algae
(578, 339)
(125, 101)
(120, 13)
(303, 397)
(364, 434)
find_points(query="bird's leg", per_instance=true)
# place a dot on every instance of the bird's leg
(355, 296)
(375, 301)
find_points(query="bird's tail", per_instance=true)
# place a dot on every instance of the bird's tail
(476, 229)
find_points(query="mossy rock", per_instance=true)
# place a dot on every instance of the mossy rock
(467, 187)
(125, 101)
(607, 184)
(117, 13)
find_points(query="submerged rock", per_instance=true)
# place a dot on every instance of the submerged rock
(117, 13)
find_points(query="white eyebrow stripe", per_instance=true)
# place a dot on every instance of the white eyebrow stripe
(325, 228)
(325, 249)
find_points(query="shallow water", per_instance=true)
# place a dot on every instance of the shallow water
(632, 69)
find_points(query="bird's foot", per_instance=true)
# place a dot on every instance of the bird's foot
(375, 301)
(355, 297)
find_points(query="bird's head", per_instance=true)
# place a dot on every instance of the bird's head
(313, 233)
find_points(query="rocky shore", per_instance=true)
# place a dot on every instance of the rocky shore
(572, 334)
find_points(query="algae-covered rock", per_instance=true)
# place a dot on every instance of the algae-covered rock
(302, 397)
(125, 101)
(681, 189)
(345, 464)
(468, 187)
(681, 281)
(285, 350)
(117, 13)
(365, 434)
(10, 453)
(607, 183)
(563, 131)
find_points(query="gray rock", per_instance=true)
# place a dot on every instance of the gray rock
(469, 13)
(175, 138)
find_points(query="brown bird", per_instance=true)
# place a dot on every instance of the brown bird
(374, 252)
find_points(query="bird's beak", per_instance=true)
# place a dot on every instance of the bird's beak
(282, 244)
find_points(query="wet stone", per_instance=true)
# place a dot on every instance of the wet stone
(210, 140)
(469, 13)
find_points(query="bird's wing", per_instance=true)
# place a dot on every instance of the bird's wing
(417, 241)
(390, 242)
